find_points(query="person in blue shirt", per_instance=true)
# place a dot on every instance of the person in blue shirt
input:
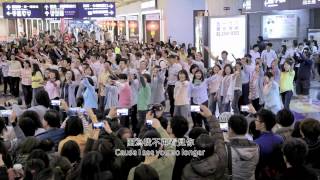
(51, 122)
(90, 96)
(271, 160)
(271, 93)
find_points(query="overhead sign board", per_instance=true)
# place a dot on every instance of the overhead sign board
(103, 9)
(270, 5)
(22, 10)
(66, 10)
(59, 10)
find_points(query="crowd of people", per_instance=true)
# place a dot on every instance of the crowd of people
(81, 100)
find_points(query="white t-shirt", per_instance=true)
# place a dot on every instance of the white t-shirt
(268, 57)
(254, 56)
(173, 73)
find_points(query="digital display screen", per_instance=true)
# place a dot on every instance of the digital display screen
(279, 26)
(228, 34)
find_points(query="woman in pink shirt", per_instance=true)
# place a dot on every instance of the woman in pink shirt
(124, 92)
(26, 80)
(124, 97)
(53, 84)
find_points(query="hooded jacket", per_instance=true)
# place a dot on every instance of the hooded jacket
(313, 158)
(212, 167)
(245, 157)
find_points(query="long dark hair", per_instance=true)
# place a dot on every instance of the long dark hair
(28, 62)
(224, 69)
(56, 74)
(185, 73)
(287, 61)
(90, 166)
(35, 69)
(202, 75)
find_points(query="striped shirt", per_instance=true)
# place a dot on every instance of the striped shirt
(215, 82)
(14, 68)
(26, 77)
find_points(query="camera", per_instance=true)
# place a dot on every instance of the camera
(154, 108)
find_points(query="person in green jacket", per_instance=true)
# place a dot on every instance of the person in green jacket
(144, 96)
(164, 164)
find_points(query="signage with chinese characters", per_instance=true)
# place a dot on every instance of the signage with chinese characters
(279, 26)
(66, 10)
(103, 9)
(269, 5)
(274, 3)
(22, 10)
(59, 10)
(228, 33)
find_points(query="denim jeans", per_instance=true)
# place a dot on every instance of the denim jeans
(235, 102)
(183, 110)
(213, 103)
(286, 98)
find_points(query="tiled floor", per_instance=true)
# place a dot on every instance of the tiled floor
(308, 108)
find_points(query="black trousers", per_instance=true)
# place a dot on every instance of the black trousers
(27, 93)
(198, 118)
(14, 86)
(256, 105)
(171, 98)
(134, 120)
(244, 99)
(6, 82)
(1, 77)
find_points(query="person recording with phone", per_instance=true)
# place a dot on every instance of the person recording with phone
(304, 74)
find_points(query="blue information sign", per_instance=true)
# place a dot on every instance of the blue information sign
(102, 9)
(59, 10)
(66, 10)
(22, 10)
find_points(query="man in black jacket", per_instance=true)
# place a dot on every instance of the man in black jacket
(304, 73)
(295, 152)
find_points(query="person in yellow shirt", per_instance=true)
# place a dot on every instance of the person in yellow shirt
(37, 82)
(286, 82)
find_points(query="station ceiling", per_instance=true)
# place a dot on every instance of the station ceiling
(119, 3)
